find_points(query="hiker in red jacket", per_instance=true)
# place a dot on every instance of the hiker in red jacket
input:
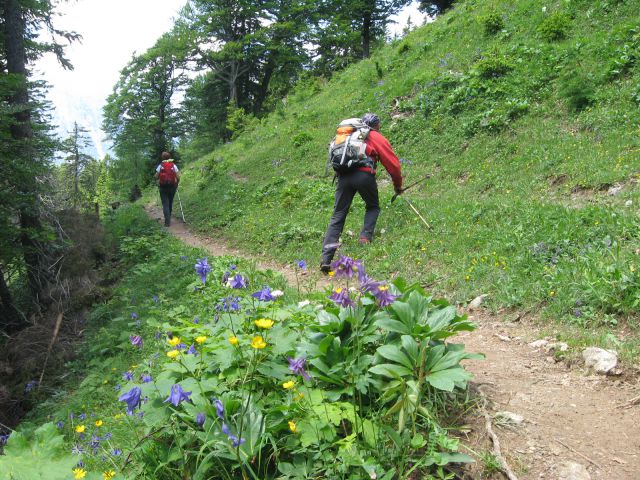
(361, 181)
(168, 177)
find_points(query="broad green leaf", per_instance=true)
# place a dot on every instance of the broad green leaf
(391, 370)
(411, 348)
(391, 325)
(445, 379)
(404, 313)
(393, 353)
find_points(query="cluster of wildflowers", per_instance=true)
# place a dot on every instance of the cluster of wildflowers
(228, 304)
(346, 267)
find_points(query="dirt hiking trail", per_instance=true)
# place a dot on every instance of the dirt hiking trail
(574, 425)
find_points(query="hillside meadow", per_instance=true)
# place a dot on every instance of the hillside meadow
(525, 114)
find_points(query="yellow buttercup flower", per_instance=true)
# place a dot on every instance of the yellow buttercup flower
(99, 423)
(292, 426)
(233, 340)
(108, 475)
(288, 385)
(338, 290)
(172, 354)
(173, 341)
(332, 273)
(300, 396)
(79, 473)
(118, 416)
(265, 323)
(80, 429)
(201, 339)
(258, 342)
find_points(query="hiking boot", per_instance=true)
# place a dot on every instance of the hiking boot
(167, 223)
(364, 241)
(325, 268)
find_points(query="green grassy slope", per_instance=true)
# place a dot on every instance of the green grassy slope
(525, 130)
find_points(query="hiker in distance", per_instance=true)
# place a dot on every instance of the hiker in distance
(168, 177)
(354, 155)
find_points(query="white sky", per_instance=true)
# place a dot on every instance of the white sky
(112, 31)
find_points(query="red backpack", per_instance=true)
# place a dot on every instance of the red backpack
(167, 174)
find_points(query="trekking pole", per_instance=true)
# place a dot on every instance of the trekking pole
(180, 202)
(417, 213)
(426, 177)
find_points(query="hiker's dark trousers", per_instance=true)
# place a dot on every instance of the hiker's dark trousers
(167, 192)
(349, 184)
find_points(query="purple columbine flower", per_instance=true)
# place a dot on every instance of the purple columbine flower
(219, 408)
(225, 277)
(184, 257)
(181, 346)
(155, 298)
(200, 418)
(192, 350)
(341, 297)
(134, 316)
(344, 267)
(302, 264)
(368, 284)
(362, 274)
(203, 269)
(117, 388)
(384, 296)
(136, 340)
(196, 320)
(60, 424)
(128, 376)
(264, 295)
(232, 266)
(30, 386)
(237, 282)
(132, 399)
(146, 378)
(82, 416)
(116, 452)
(107, 436)
(177, 395)
(297, 366)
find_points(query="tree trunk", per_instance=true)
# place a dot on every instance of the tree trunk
(367, 20)
(10, 318)
(21, 132)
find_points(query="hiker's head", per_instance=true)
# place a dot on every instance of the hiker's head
(372, 120)
(165, 156)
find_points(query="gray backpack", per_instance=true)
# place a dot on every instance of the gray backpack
(347, 149)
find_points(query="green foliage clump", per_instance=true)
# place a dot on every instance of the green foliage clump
(555, 27)
(238, 121)
(403, 48)
(627, 54)
(492, 23)
(493, 65)
(578, 91)
(301, 139)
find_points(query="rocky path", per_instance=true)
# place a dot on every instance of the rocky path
(573, 425)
